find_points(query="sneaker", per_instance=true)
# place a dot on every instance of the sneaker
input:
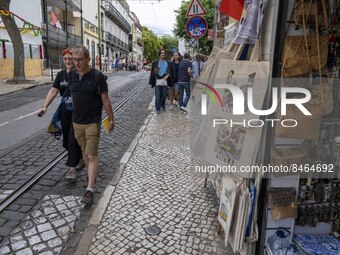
(170, 108)
(184, 109)
(71, 175)
(88, 198)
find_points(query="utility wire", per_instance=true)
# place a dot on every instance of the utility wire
(154, 14)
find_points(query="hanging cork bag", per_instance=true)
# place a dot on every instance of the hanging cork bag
(291, 155)
(308, 126)
(324, 94)
(305, 53)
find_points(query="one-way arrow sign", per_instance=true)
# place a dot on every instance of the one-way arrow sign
(195, 8)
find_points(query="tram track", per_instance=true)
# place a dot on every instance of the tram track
(56, 159)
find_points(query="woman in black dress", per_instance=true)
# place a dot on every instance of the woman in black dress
(61, 85)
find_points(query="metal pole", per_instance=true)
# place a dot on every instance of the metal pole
(66, 24)
(216, 7)
(99, 35)
(51, 71)
(81, 22)
(198, 56)
(46, 44)
(30, 48)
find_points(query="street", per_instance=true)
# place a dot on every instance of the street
(18, 118)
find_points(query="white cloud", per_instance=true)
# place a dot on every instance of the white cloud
(158, 16)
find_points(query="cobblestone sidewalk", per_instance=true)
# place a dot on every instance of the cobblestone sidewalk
(158, 188)
(6, 88)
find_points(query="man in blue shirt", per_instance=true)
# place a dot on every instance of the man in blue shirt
(159, 78)
(184, 74)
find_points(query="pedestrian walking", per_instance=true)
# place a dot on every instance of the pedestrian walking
(197, 67)
(89, 94)
(97, 62)
(173, 88)
(159, 78)
(123, 64)
(64, 115)
(117, 63)
(184, 74)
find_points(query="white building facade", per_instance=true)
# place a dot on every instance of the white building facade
(91, 23)
(136, 54)
(117, 30)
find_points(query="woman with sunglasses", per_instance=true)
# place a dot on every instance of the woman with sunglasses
(61, 85)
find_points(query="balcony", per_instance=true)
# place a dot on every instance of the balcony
(114, 41)
(140, 42)
(115, 15)
(90, 28)
(59, 35)
(74, 4)
(61, 4)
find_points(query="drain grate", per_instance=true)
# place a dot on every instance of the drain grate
(153, 230)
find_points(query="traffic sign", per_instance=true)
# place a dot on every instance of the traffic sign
(196, 27)
(193, 43)
(195, 8)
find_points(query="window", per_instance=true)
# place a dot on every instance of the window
(102, 21)
(88, 44)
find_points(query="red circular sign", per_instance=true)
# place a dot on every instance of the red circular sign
(196, 27)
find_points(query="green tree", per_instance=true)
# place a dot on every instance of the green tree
(18, 46)
(169, 42)
(152, 44)
(180, 25)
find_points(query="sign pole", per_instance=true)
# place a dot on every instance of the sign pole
(198, 56)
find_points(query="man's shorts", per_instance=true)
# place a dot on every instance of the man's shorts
(87, 136)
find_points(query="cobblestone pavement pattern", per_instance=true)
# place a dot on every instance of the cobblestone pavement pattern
(158, 188)
(45, 227)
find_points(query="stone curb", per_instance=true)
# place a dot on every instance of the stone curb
(25, 88)
(98, 213)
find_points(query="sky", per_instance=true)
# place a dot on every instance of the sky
(157, 16)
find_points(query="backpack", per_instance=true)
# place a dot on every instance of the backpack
(96, 79)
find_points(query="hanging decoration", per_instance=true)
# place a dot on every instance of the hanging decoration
(27, 26)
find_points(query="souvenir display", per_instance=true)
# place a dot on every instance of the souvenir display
(229, 191)
(282, 202)
(287, 155)
(317, 244)
(307, 127)
(239, 221)
(308, 51)
(232, 146)
(251, 23)
(229, 34)
(310, 57)
(247, 77)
